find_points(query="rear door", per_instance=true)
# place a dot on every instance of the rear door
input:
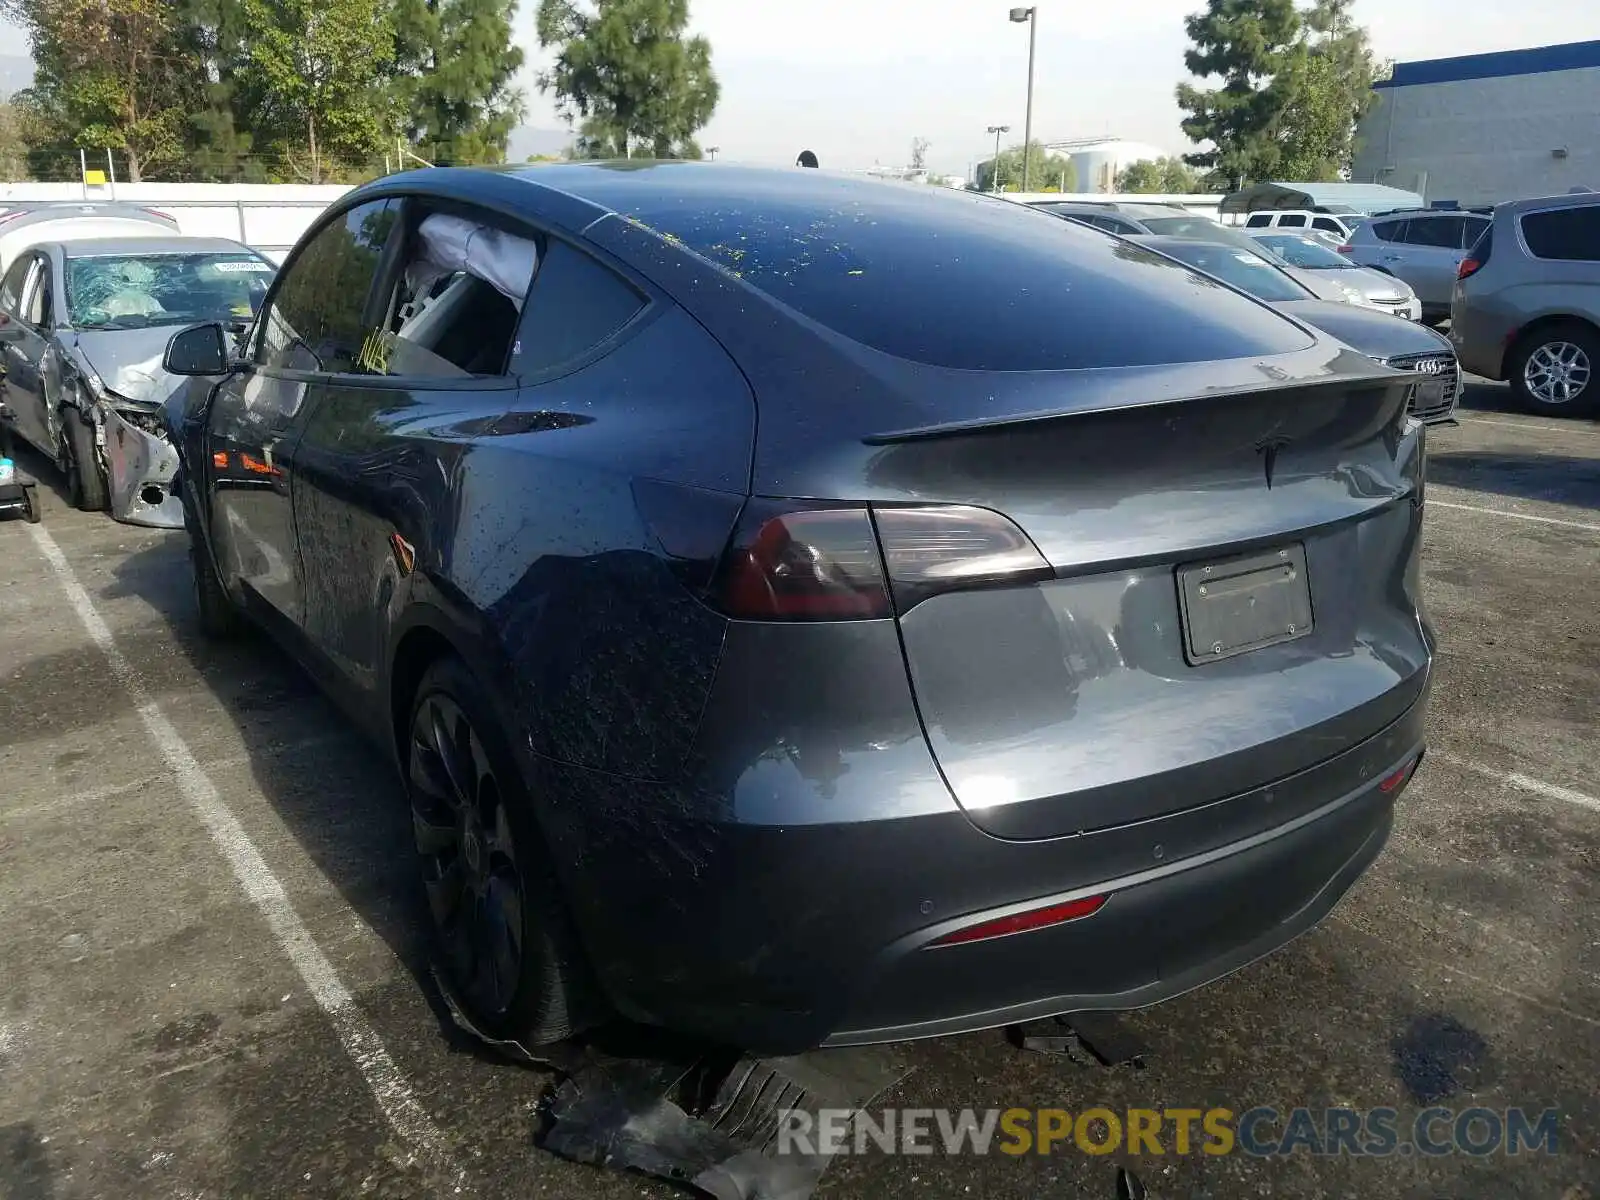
(1431, 256)
(458, 336)
(309, 331)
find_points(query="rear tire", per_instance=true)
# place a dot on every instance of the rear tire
(85, 483)
(1555, 371)
(32, 506)
(505, 940)
(219, 616)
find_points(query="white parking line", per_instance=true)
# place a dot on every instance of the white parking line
(1515, 516)
(1526, 783)
(361, 1042)
(1527, 426)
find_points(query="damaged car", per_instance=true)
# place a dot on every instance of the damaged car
(83, 325)
(804, 609)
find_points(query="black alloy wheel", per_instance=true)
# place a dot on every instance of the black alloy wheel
(502, 932)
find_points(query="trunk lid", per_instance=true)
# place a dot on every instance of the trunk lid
(1085, 701)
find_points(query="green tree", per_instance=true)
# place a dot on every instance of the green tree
(455, 64)
(1295, 84)
(1164, 176)
(628, 75)
(1244, 43)
(1327, 85)
(13, 147)
(318, 67)
(1052, 170)
(107, 74)
(222, 143)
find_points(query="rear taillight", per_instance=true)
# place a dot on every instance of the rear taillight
(156, 212)
(941, 548)
(800, 561)
(804, 564)
(1469, 266)
(1347, 248)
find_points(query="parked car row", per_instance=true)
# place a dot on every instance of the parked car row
(89, 295)
(1300, 275)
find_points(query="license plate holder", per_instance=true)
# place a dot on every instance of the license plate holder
(1430, 392)
(1234, 605)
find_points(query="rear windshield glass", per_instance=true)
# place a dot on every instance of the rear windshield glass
(1244, 270)
(962, 281)
(1307, 253)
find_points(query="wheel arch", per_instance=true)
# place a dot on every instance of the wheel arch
(1546, 321)
(425, 632)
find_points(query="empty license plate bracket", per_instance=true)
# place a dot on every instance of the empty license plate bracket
(1236, 605)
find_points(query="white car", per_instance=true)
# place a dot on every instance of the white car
(1341, 225)
(23, 225)
(1316, 263)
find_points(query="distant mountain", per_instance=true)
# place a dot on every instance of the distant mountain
(525, 141)
(16, 73)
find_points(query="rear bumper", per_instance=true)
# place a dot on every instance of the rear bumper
(1159, 935)
(778, 937)
(1481, 339)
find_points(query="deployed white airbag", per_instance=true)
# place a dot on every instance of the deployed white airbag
(450, 244)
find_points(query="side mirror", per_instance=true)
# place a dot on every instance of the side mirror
(198, 350)
(10, 331)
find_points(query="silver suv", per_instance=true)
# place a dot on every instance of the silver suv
(1526, 305)
(1423, 247)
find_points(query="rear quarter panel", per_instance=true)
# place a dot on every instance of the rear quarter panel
(531, 540)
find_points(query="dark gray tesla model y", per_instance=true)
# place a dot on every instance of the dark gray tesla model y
(807, 609)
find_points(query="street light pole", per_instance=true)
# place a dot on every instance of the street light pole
(994, 167)
(1031, 16)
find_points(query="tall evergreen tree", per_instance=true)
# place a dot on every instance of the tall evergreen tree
(1295, 83)
(1245, 43)
(1328, 85)
(455, 65)
(627, 73)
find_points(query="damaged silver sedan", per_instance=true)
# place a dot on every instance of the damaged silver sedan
(83, 324)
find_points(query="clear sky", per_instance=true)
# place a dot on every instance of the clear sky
(856, 80)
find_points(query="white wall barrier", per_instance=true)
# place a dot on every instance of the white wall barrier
(272, 216)
(268, 216)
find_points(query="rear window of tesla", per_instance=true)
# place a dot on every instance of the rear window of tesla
(967, 282)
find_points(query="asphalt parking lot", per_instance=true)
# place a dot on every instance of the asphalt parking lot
(213, 976)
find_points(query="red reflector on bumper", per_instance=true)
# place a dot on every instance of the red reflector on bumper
(1393, 781)
(1037, 918)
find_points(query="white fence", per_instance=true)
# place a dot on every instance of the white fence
(268, 216)
(272, 216)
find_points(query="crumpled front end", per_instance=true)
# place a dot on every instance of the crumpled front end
(141, 464)
(117, 381)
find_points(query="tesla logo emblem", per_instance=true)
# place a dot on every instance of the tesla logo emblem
(1268, 448)
(1432, 366)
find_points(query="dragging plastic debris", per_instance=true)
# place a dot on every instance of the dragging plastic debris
(1086, 1038)
(695, 1115)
